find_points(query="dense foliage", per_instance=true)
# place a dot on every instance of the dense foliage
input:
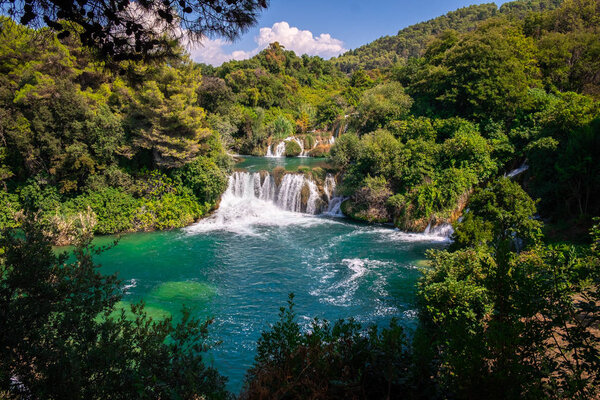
(131, 152)
(474, 106)
(332, 361)
(413, 40)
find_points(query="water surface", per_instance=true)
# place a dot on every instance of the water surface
(255, 164)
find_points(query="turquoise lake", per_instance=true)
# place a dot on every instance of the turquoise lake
(239, 265)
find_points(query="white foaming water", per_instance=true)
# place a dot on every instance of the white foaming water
(279, 150)
(251, 200)
(439, 234)
(329, 186)
(341, 292)
(442, 230)
(518, 171)
(132, 283)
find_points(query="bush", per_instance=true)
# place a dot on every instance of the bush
(206, 180)
(281, 128)
(346, 149)
(114, 209)
(292, 149)
(170, 211)
(369, 203)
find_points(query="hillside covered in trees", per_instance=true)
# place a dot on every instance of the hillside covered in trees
(413, 40)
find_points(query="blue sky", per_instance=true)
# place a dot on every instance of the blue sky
(326, 27)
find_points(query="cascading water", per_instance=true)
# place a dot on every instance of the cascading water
(279, 150)
(334, 202)
(444, 230)
(517, 171)
(254, 198)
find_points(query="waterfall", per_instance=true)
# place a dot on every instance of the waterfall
(279, 150)
(517, 171)
(334, 202)
(256, 199)
(442, 230)
(287, 196)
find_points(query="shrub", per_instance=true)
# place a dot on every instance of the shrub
(206, 180)
(114, 209)
(292, 149)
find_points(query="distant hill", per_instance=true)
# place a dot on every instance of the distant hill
(411, 41)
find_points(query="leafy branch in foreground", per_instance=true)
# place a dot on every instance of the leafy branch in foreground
(136, 30)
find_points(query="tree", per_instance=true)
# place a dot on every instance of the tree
(382, 104)
(499, 324)
(166, 119)
(127, 29)
(486, 73)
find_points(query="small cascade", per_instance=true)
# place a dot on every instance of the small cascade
(279, 150)
(313, 197)
(427, 229)
(334, 207)
(517, 171)
(443, 230)
(329, 186)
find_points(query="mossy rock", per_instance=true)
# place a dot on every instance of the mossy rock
(304, 170)
(278, 174)
(304, 195)
(153, 312)
(364, 215)
(321, 150)
(318, 174)
(292, 149)
(184, 290)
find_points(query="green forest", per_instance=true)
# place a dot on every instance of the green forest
(420, 129)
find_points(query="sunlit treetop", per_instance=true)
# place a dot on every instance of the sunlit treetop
(137, 30)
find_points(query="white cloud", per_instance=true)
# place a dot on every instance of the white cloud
(213, 52)
(300, 41)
